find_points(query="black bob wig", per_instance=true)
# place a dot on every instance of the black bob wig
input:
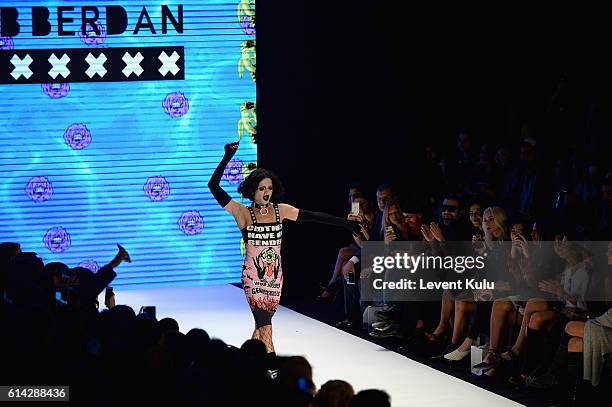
(250, 184)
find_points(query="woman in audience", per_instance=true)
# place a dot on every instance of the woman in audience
(475, 214)
(366, 216)
(471, 315)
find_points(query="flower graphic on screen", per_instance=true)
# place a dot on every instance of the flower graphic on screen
(89, 264)
(156, 188)
(77, 136)
(175, 104)
(247, 59)
(55, 90)
(90, 37)
(191, 223)
(246, 16)
(248, 121)
(248, 168)
(6, 43)
(248, 25)
(57, 240)
(39, 189)
(233, 172)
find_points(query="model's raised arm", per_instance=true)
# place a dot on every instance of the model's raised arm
(220, 195)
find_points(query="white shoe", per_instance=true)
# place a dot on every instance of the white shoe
(381, 324)
(456, 355)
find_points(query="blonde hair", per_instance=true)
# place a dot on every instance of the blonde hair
(500, 219)
(386, 220)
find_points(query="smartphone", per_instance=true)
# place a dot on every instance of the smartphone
(148, 311)
(108, 294)
(355, 208)
(389, 229)
(350, 278)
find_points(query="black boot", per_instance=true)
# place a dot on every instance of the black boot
(574, 382)
(555, 373)
(574, 375)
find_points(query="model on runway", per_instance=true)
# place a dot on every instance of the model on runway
(261, 224)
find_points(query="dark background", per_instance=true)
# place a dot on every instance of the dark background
(352, 91)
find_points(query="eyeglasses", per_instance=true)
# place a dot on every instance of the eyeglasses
(449, 208)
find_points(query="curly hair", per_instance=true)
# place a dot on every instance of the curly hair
(250, 184)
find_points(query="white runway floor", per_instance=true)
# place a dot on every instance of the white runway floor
(334, 354)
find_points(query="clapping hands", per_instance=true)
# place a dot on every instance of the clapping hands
(432, 232)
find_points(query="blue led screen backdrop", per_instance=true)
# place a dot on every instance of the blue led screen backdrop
(112, 138)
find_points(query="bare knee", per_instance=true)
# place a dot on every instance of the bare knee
(465, 307)
(575, 345)
(539, 321)
(502, 306)
(575, 328)
(535, 305)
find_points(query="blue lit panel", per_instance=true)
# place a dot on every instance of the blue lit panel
(85, 165)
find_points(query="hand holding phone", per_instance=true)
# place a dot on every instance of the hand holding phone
(109, 297)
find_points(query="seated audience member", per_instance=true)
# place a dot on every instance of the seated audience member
(366, 217)
(352, 307)
(371, 398)
(334, 393)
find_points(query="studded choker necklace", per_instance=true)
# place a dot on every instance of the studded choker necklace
(263, 209)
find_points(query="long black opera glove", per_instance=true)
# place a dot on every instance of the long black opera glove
(320, 217)
(220, 195)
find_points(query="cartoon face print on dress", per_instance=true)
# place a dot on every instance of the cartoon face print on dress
(267, 263)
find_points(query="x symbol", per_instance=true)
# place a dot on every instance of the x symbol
(132, 64)
(96, 65)
(21, 66)
(59, 66)
(168, 63)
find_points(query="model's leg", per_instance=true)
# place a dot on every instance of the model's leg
(256, 334)
(265, 335)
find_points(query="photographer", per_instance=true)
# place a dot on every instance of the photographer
(86, 286)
